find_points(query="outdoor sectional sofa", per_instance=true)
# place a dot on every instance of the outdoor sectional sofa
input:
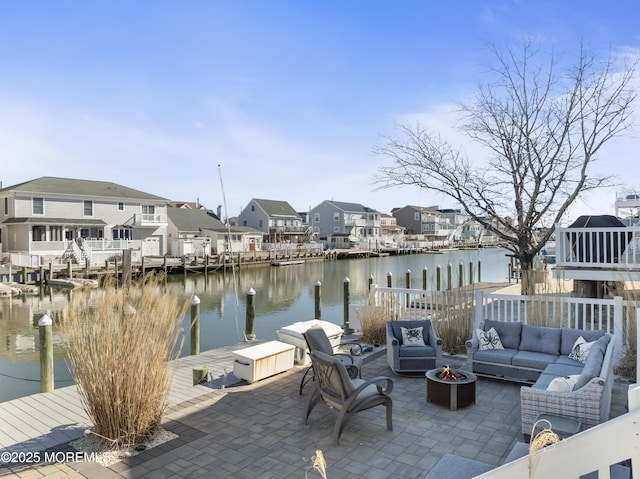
(538, 355)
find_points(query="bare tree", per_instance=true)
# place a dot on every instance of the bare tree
(542, 127)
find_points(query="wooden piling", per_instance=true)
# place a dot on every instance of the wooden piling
(251, 315)
(195, 326)
(317, 295)
(45, 326)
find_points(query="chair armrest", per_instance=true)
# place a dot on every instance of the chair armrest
(356, 347)
(375, 381)
(351, 358)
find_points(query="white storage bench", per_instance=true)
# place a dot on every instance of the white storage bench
(263, 360)
(292, 334)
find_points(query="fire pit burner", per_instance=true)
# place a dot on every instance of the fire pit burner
(451, 387)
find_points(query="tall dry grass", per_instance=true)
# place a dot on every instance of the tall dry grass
(118, 348)
(373, 320)
(453, 319)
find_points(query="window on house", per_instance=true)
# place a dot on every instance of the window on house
(6, 206)
(38, 206)
(336, 229)
(37, 233)
(316, 218)
(260, 224)
(253, 208)
(416, 215)
(120, 206)
(88, 207)
(336, 216)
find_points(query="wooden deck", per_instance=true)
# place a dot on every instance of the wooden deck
(44, 420)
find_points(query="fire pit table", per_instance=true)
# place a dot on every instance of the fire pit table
(451, 387)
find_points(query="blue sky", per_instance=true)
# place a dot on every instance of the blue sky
(288, 97)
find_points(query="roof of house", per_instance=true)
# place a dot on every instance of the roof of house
(188, 220)
(194, 221)
(352, 207)
(276, 208)
(89, 188)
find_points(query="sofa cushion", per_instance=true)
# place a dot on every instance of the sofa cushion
(540, 339)
(500, 356)
(417, 352)
(565, 360)
(581, 349)
(563, 384)
(532, 359)
(543, 381)
(412, 337)
(560, 369)
(593, 364)
(509, 332)
(488, 339)
(569, 336)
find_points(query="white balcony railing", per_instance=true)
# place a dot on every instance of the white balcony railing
(612, 248)
(149, 219)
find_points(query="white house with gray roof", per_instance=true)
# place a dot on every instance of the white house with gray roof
(279, 222)
(198, 232)
(359, 222)
(56, 218)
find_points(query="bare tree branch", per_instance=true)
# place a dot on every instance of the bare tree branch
(542, 127)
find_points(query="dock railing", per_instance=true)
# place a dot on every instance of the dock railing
(610, 315)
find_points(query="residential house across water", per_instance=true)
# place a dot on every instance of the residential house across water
(51, 219)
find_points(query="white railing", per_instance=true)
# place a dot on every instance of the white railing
(595, 449)
(610, 315)
(617, 248)
(104, 244)
(150, 219)
(24, 259)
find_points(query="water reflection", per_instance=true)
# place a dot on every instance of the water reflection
(283, 295)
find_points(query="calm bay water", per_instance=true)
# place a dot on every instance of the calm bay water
(284, 295)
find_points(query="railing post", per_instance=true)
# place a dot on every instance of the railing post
(470, 272)
(479, 271)
(370, 281)
(251, 315)
(347, 329)
(317, 296)
(424, 278)
(461, 274)
(479, 314)
(618, 327)
(195, 325)
(46, 353)
(389, 276)
(449, 274)
(438, 277)
(407, 279)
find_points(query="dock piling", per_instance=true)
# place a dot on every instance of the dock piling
(251, 315)
(45, 327)
(195, 326)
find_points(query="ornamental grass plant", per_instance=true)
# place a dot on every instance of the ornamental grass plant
(373, 320)
(119, 343)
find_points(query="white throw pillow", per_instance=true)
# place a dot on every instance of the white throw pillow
(580, 349)
(563, 384)
(488, 339)
(412, 336)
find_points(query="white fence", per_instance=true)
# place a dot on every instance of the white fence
(610, 315)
